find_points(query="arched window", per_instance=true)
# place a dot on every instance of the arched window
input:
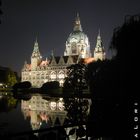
(61, 75)
(53, 75)
(73, 48)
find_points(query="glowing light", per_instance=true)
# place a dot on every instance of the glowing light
(61, 106)
(88, 60)
(61, 99)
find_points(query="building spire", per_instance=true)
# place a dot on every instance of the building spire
(77, 24)
(36, 40)
(36, 52)
(99, 32)
(99, 41)
(36, 56)
(52, 53)
(99, 52)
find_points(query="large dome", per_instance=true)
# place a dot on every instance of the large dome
(77, 42)
(77, 36)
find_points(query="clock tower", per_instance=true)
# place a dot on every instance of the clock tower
(36, 56)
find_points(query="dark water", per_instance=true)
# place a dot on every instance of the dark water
(25, 113)
(12, 121)
(11, 117)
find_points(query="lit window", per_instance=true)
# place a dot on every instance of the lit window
(53, 75)
(61, 75)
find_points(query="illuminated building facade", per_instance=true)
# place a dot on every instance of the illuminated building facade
(55, 68)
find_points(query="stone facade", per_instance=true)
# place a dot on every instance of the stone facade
(55, 68)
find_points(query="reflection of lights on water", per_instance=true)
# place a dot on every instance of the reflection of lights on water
(44, 116)
(41, 112)
(61, 106)
(29, 106)
(88, 60)
(78, 80)
(53, 105)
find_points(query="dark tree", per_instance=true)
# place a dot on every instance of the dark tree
(11, 78)
(75, 83)
(50, 85)
(22, 85)
(76, 80)
(113, 83)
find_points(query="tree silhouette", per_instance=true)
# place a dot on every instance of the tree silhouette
(77, 108)
(110, 81)
(126, 40)
(76, 79)
(50, 85)
(11, 78)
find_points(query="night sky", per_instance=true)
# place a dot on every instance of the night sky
(51, 22)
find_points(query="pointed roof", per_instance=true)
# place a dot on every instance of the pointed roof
(77, 24)
(99, 41)
(99, 47)
(70, 60)
(36, 52)
(36, 47)
(99, 36)
(53, 61)
(61, 60)
(52, 53)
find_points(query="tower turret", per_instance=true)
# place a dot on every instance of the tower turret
(36, 56)
(99, 52)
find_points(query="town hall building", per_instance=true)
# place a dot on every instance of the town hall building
(40, 71)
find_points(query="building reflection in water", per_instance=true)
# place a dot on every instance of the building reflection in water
(43, 113)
